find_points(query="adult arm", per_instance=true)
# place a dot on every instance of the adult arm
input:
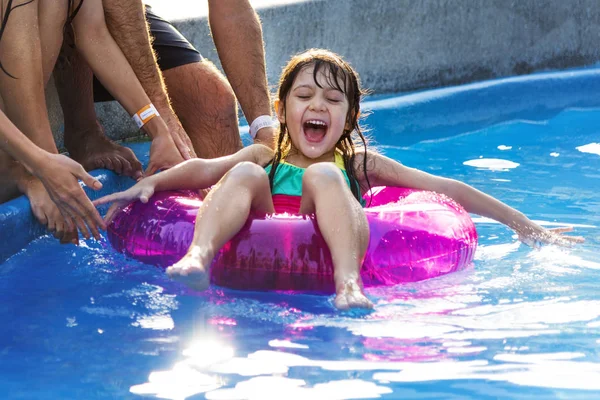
(126, 22)
(58, 173)
(237, 34)
(383, 171)
(48, 179)
(110, 65)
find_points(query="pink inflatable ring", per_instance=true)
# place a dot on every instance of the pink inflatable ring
(415, 235)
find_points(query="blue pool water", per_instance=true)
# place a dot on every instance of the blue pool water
(87, 323)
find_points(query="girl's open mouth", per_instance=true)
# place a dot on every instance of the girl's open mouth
(314, 130)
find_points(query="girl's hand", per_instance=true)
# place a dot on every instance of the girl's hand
(535, 236)
(141, 191)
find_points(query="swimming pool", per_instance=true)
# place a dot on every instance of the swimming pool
(87, 323)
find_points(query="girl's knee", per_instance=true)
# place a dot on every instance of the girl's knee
(248, 173)
(323, 175)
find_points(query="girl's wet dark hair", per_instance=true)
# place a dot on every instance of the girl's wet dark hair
(341, 76)
(4, 14)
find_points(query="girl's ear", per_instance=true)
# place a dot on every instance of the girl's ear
(279, 110)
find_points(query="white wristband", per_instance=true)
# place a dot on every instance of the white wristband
(263, 121)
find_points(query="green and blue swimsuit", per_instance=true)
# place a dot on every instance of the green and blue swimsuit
(287, 185)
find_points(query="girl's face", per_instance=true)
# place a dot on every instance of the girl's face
(315, 116)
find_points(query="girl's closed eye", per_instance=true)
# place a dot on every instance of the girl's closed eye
(334, 96)
(303, 94)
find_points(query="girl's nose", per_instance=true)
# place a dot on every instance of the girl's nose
(317, 104)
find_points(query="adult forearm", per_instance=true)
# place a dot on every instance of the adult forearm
(127, 24)
(237, 34)
(112, 69)
(110, 65)
(15, 143)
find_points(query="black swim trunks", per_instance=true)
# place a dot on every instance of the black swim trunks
(171, 47)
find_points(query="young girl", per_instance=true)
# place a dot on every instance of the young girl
(314, 169)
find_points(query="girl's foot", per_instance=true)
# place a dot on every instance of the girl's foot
(349, 294)
(191, 271)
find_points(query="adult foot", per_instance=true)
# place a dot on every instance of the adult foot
(349, 294)
(92, 149)
(191, 271)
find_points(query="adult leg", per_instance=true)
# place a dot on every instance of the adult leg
(8, 185)
(25, 106)
(84, 136)
(52, 19)
(243, 189)
(344, 227)
(200, 95)
(23, 94)
(206, 106)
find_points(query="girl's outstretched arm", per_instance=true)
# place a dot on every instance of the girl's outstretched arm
(384, 171)
(193, 174)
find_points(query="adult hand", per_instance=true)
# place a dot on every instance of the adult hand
(535, 236)
(141, 191)
(163, 155)
(48, 214)
(180, 138)
(266, 136)
(59, 174)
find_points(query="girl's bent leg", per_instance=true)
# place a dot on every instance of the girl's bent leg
(224, 211)
(344, 227)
